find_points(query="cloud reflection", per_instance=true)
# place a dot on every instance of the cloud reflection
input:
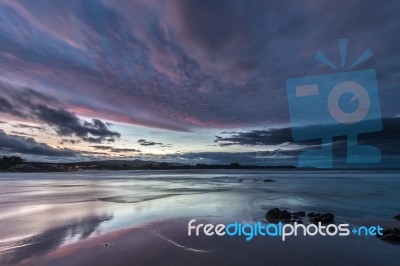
(50, 239)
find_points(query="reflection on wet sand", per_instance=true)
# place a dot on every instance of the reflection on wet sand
(166, 243)
(50, 240)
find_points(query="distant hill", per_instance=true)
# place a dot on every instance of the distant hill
(16, 164)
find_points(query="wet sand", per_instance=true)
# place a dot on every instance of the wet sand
(167, 243)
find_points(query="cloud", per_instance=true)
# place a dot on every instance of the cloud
(27, 145)
(113, 149)
(21, 133)
(274, 136)
(189, 64)
(281, 138)
(39, 107)
(385, 138)
(185, 64)
(144, 142)
(71, 141)
(7, 107)
(124, 150)
(26, 126)
(274, 157)
(66, 123)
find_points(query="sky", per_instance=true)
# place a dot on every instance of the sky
(193, 81)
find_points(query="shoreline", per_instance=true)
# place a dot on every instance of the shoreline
(373, 170)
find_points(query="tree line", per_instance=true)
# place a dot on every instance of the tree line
(8, 162)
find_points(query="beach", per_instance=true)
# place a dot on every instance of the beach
(141, 217)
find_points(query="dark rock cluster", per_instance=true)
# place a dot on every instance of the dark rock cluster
(268, 180)
(391, 236)
(323, 218)
(299, 214)
(277, 215)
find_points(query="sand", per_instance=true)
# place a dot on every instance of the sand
(167, 243)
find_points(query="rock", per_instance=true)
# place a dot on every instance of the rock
(269, 180)
(391, 236)
(299, 214)
(275, 215)
(397, 217)
(313, 214)
(278, 215)
(325, 218)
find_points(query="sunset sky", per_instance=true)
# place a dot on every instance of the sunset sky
(180, 80)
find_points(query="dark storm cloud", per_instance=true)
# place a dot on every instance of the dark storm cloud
(71, 141)
(26, 145)
(99, 147)
(29, 104)
(285, 151)
(388, 136)
(124, 150)
(191, 63)
(7, 107)
(144, 142)
(386, 140)
(273, 136)
(113, 149)
(97, 140)
(66, 123)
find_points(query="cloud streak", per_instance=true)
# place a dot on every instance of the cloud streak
(114, 149)
(30, 104)
(281, 138)
(143, 142)
(27, 145)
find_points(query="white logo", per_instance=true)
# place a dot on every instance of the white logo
(359, 93)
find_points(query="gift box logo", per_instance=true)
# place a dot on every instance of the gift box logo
(339, 104)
